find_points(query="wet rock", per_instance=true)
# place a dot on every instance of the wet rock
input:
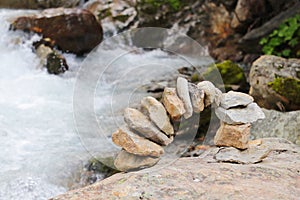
(275, 83)
(197, 97)
(183, 93)
(278, 124)
(233, 136)
(212, 94)
(135, 144)
(158, 114)
(249, 114)
(127, 162)
(172, 103)
(140, 123)
(56, 63)
(73, 30)
(276, 177)
(40, 4)
(233, 99)
(42, 52)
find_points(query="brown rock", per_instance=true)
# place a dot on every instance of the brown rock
(135, 144)
(172, 103)
(158, 114)
(40, 4)
(233, 136)
(72, 30)
(202, 178)
(126, 161)
(140, 123)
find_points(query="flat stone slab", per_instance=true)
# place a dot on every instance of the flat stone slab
(141, 123)
(127, 162)
(202, 178)
(249, 114)
(135, 144)
(158, 114)
(183, 93)
(233, 99)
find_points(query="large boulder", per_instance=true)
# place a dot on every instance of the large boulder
(275, 83)
(40, 4)
(278, 124)
(72, 30)
(275, 177)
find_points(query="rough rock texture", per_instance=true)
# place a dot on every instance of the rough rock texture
(158, 114)
(172, 103)
(126, 161)
(277, 95)
(139, 122)
(234, 99)
(249, 114)
(197, 97)
(233, 136)
(73, 30)
(276, 177)
(278, 124)
(40, 4)
(212, 94)
(135, 144)
(183, 93)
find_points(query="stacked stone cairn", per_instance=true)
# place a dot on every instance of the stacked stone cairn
(146, 132)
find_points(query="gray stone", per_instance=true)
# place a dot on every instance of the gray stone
(234, 99)
(249, 114)
(126, 161)
(183, 93)
(172, 103)
(158, 114)
(135, 144)
(140, 123)
(278, 124)
(212, 94)
(276, 177)
(197, 97)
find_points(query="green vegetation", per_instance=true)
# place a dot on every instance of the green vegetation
(287, 87)
(174, 4)
(284, 41)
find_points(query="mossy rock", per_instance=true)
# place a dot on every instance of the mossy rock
(233, 77)
(287, 87)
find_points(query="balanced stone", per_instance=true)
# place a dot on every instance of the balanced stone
(135, 144)
(172, 103)
(183, 93)
(233, 99)
(140, 123)
(126, 161)
(233, 135)
(249, 114)
(212, 94)
(158, 114)
(197, 97)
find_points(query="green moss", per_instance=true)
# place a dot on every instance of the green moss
(287, 87)
(230, 72)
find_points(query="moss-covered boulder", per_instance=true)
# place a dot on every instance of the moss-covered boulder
(275, 83)
(232, 76)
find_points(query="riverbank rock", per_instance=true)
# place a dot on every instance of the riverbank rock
(158, 114)
(275, 177)
(172, 103)
(233, 135)
(40, 4)
(197, 98)
(235, 99)
(249, 114)
(275, 83)
(72, 30)
(140, 123)
(278, 124)
(126, 161)
(183, 93)
(135, 144)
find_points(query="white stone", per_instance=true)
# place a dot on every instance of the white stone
(212, 94)
(183, 93)
(233, 99)
(197, 97)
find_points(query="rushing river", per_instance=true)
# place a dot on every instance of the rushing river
(40, 148)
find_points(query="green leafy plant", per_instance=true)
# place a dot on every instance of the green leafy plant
(175, 4)
(284, 41)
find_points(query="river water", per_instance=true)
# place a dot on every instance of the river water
(40, 148)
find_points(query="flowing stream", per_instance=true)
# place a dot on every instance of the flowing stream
(40, 148)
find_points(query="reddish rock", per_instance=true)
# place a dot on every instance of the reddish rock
(72, 30)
